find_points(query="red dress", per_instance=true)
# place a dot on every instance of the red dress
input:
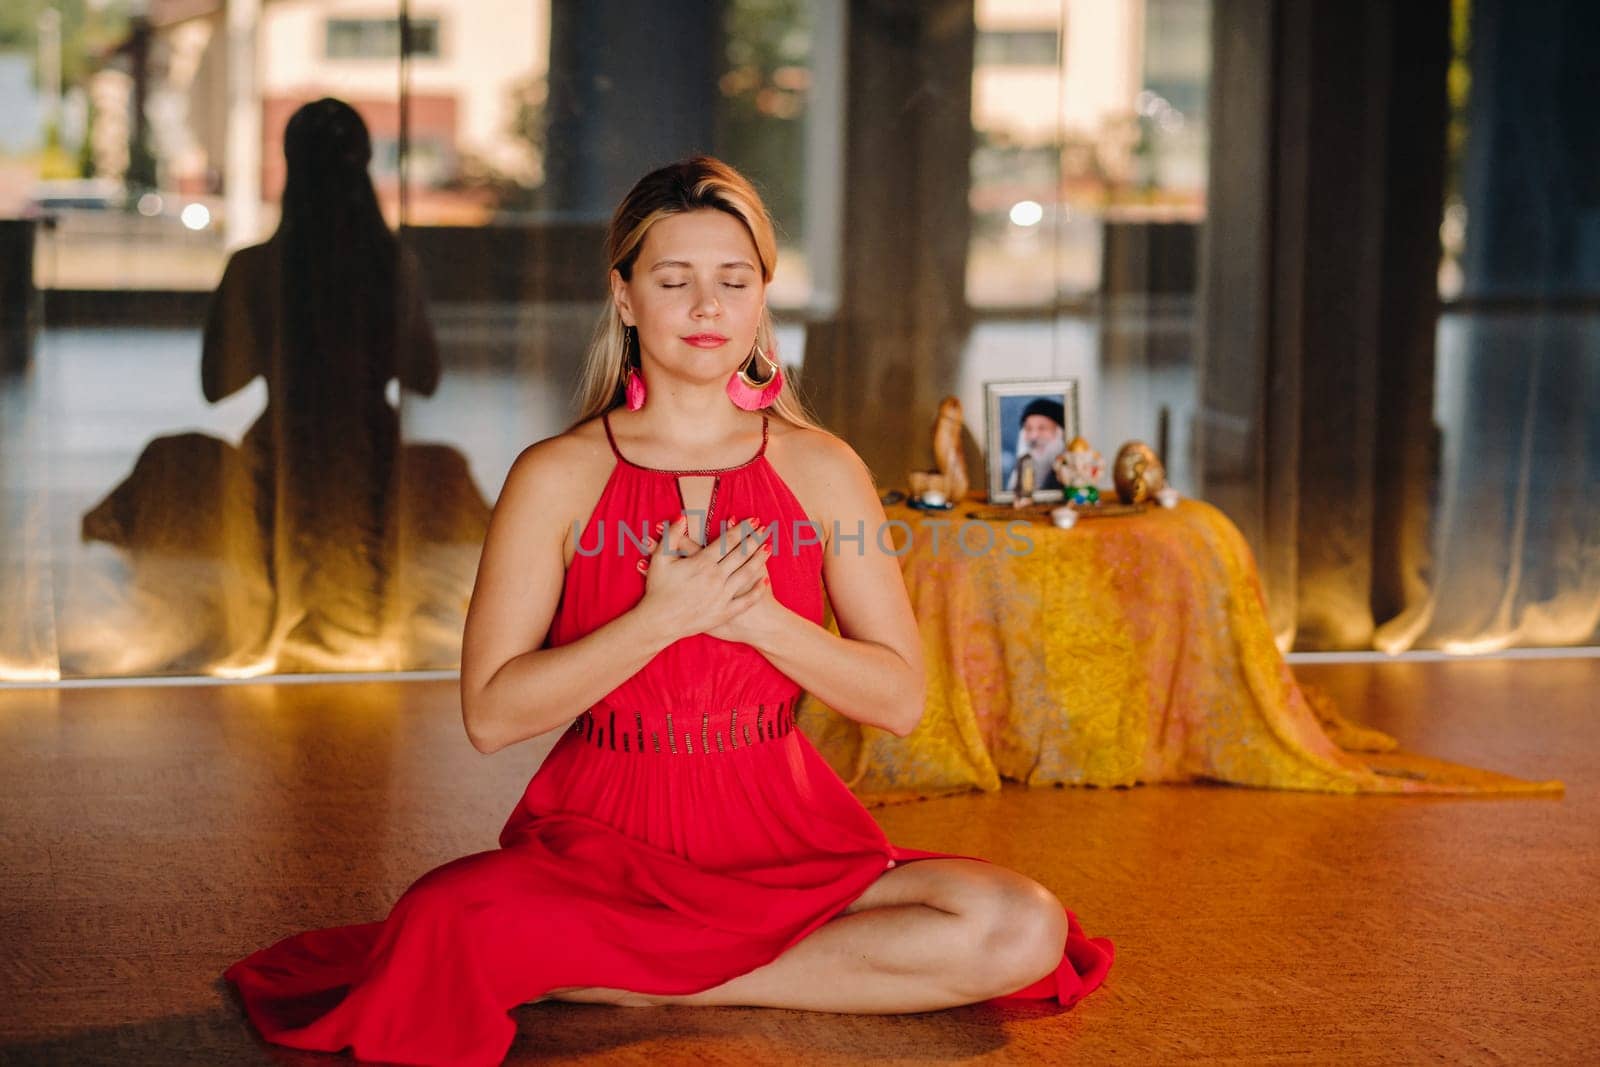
(680, 833)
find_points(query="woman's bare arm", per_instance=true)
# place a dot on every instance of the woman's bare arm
(872, 670)
(512, 688)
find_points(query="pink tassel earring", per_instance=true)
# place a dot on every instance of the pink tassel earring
(635, 383)
(753, 395)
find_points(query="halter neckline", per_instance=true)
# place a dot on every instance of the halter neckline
(605, 418)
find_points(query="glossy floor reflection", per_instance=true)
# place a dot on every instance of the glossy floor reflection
(153, 835)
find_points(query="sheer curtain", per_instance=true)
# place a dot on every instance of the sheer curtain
(1516, 523)
(1401, 390)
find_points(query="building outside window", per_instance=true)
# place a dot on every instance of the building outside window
(380, 38)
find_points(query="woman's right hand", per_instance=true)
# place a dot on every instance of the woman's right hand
(691, 588)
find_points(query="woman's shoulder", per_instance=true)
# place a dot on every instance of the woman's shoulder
(811, 448)
(822, 470)
(564, 465)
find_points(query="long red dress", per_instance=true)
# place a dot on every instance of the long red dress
(680, 833)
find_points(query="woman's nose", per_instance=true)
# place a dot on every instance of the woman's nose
(708, 304)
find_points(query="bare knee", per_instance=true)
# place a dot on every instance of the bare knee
(1017, 935)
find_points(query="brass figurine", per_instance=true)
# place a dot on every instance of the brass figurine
(947, 452)
(1138, 473)
(948, 485)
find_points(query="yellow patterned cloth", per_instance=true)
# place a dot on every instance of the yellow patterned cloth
(1124, 650)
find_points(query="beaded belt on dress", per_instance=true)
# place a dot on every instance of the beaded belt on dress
(734, 728)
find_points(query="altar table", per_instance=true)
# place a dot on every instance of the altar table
(1123, 650)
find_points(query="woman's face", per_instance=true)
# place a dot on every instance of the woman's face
(696, 295)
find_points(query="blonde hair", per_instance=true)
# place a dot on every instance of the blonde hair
(689, 185)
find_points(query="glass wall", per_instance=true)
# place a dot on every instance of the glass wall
(227, 452)
(218, 457)
(1088, 192)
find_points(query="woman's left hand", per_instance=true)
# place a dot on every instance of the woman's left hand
(759, 605)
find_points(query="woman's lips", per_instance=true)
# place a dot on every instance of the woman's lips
(706, 340)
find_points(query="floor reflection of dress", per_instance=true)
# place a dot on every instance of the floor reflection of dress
(321, 514)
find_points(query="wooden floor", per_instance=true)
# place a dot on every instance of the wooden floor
(152, 836)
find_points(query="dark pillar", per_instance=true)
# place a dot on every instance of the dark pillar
(1319, 292)
(1408, 444)
(632, 87)
(141, 173)
(876, 372)
(19, 311)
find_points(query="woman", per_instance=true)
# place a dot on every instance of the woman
(682, 843)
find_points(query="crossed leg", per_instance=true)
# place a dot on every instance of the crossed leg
(926, 935)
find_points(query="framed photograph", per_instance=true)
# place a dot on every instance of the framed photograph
(1032, 420)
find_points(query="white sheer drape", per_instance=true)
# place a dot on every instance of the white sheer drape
(1516, 526)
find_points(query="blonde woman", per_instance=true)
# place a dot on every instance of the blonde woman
(651, 586)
